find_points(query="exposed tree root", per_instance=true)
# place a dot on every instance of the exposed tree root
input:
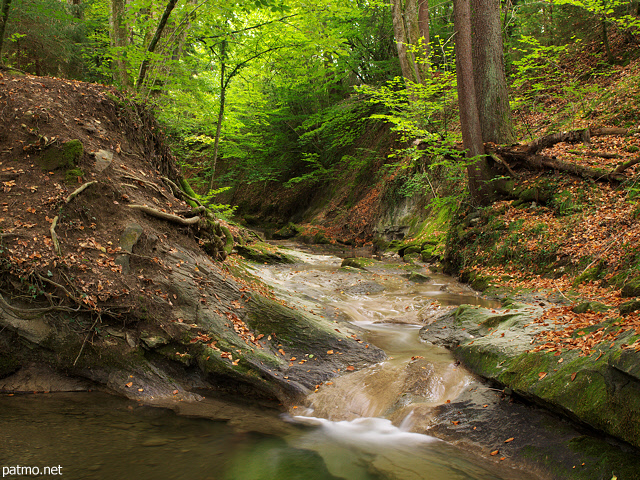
(166, 216)
(79, 190)
(54, 236)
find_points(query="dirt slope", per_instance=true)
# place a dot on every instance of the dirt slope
(105, 273)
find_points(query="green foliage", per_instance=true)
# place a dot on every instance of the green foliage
(43, 37)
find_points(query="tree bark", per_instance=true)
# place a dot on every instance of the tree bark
(489, 77)
(4, 17)
(223, 96)
(409, 28)
(478, 171)
(154, 41)
(120, 40)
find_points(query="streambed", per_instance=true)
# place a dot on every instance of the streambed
(360, 426)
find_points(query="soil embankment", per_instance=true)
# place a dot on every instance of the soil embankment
(108, 275)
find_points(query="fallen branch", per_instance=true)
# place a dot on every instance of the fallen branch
(573, 136)
(54, 236)
(623, 166)
(79, 190)
(166, 216)
(499, 160)
(542, 161)
(595, 154)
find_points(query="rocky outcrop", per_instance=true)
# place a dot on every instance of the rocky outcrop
(601, 390)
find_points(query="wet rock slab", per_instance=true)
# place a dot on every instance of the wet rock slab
(601, 391)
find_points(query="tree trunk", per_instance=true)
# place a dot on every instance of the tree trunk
(4, 17)
(154, 41)
(489, 77)
(423, 24)
(223, 96)
(407, 30)
(478, 171)
(119, 39)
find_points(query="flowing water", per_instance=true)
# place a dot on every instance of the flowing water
(358, 427)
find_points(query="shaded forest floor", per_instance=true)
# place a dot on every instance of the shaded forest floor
(574, 239)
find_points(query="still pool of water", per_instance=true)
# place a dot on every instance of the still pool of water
(98, 436)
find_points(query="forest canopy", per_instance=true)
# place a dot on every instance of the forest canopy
(280, 89)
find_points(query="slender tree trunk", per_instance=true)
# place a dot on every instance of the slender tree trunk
(605, 41)
(477, 171)
(4, 17)
(119, 34)
(154, 41)
(492, 99)
(223, 95)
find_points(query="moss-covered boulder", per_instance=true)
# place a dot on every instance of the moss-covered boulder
(595, 307)
(290, 230)
(361, 263)
(264, 253)
(629, 307)
(65, 156)
(631, 288)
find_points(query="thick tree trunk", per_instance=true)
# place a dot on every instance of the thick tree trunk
(4, 17)
(478, 171)
(489, 77)
(410, 22)
(119, 34)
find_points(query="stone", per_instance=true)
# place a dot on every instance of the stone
(629, 307)
(104, 158)
(128, 239)
(416, 277)
(595, 307)
(631, 288)
(290, 230)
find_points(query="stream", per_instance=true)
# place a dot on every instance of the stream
(360, 426)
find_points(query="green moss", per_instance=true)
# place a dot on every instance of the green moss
(65, 156)
(71, 176)
(605, 460)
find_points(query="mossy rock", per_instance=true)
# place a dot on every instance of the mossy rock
(71, 176)
(595, 307)
(629, 307)
(290, 230)
(264, 253)
(418, 277)
(594, 273)
(631, 288)
(412, 249)
(360, 263)
(321, 239)
(412, 257)
(65, 156)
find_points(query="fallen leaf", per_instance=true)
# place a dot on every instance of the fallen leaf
(130, 384)
(573, 376)
(509, 440)
(541, 375)
(495, 452)
(329, 352)
(351, 368)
